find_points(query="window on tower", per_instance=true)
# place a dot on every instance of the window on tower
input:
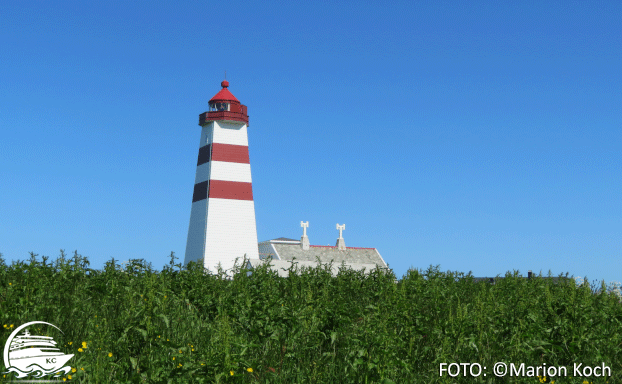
(214, 107)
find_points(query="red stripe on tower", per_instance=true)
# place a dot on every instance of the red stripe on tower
(230, 153)
(223, 152)
(220, 189)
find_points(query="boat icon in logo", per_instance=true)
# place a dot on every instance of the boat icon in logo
(27, 354)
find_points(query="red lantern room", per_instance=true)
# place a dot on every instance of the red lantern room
(224, 107)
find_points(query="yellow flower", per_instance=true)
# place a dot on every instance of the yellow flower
(173, 357)
(11, 326)
(84, 344)
(73, 370)
(71, 342)
(109, 354)
(192, 349)
(249, 370)
(4, 325)
(69, 377)
(231, 372)
(10, 283)
(64, 379)
(82, 368)
(158, 336)
(80, 350)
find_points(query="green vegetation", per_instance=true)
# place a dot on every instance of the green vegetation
(134, 324)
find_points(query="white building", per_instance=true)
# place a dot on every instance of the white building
(282, 252)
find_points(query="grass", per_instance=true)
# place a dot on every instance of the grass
(134, 324)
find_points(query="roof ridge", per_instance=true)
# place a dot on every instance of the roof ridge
(332, 246)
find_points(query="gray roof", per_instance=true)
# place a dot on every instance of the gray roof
(282, 266)
(284, 249)
(328, 254)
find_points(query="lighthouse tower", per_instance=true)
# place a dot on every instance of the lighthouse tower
(222, 219)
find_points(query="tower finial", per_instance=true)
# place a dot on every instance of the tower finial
(304, 240)
(341, 244)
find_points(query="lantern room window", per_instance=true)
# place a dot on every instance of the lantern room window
(216, 107)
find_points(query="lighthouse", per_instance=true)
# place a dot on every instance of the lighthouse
(222, 220)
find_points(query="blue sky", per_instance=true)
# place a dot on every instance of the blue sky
(481, 136)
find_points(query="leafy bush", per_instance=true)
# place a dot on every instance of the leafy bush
(131, 323)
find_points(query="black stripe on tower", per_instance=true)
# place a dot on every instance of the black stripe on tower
(200, 191)
(204, 154)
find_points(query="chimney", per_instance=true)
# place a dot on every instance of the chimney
(529, 274)
(341, 244)
(304, 240)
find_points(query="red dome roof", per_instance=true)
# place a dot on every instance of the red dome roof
(224, 94)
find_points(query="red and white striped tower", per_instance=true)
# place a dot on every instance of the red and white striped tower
(222, 220)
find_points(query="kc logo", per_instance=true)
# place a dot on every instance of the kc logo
(28, 354)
